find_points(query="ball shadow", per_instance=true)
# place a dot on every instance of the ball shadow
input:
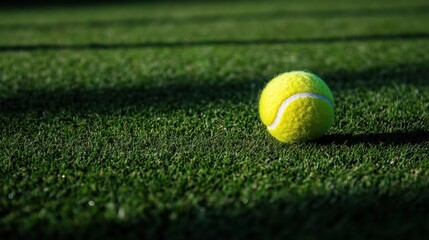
(391, 138)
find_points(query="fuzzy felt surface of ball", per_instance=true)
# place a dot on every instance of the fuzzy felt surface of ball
(296, 106)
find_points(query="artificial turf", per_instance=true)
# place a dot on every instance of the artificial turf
(141, 120)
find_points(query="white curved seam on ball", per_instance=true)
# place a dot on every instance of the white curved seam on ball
(292, 98)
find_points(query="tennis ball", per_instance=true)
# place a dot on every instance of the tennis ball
(297, 106)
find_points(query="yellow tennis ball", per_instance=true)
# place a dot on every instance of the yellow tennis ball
(297, 106)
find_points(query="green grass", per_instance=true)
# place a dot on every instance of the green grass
(142, 121)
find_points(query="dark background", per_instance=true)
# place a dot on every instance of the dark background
(48, 3)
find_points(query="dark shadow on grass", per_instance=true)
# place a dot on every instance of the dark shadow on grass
(123, 99)
(370, 214)
(392, 138)
(183, 94)
(260, 16)
(326, 40)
